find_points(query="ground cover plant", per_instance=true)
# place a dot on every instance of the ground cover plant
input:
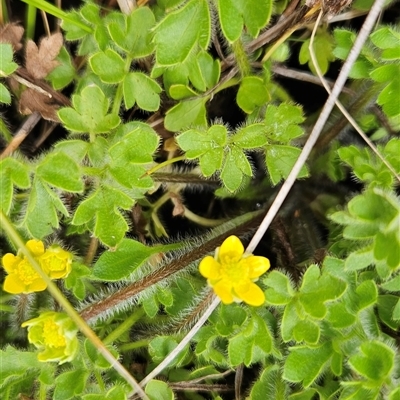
(143, 143)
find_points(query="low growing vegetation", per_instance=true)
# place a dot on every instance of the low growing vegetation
(142, 143)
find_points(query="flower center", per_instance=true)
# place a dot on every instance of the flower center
(51, 335)
(53, 263)
(234, 271)
(26, 273)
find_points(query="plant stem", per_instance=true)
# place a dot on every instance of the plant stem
(164, 164)
(207, 222)
(241, 57)
(122, 328)
(135, 345)
(59, 297)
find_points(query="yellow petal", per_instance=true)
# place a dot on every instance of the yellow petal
(231, 250)
(224, 291)
(209, 268)
(10, 262)
(256, 265)
(250, 294)
(12, 284)
(38, 285)
(36, 247)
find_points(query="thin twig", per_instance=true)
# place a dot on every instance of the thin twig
(21, 135)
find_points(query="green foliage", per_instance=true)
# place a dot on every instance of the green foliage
(7, 67)
(329, 324)
(129, 255)
(255, 15)
(89, 112)
(322, 46)
(182, 32)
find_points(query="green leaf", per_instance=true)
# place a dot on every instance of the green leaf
(42, 210)
(179, 92)
(70, 384)
(186, 114)
(339, 317)
(305, 364)
(269, 385)
(283, 122)
(389, 310)
(143, 90)
(75, 149)
(254, 14)
(181, 32)
(75, 26)
(7, 65)
(367, 294)
(250, 136)
(133, 32)
(280, 288)
(344, 42)
(158, 390)
(359, 259)
(230, 318)
(119, 263)
(306, 331)
(318, 288)
(161, 346)
(252, 344)
(368, 168)
(130, 154)
(280, 160)
(96, 357)
(13, 173)
(64, 73)
(252, 93)
(235, 167)
(89, 112)
(15, 363)
(323, 46)
(5, 96)
(392, 285)
(150, 306)
(289, 320)
(109, 66)
(52, 170)
(102, 209)
(385, 38)
(374, 361)
(75, 280)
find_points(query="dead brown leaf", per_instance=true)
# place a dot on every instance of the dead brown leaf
(12, 33)
(40, 61)
(31, 101)
(179, 208)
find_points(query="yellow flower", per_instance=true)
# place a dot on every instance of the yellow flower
(232, 273)
(54, 334)
(56, 262)
(22, 278)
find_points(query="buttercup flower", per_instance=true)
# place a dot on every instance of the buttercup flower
(54, 334)
(56, 262)
(232, 273)
(22, 278)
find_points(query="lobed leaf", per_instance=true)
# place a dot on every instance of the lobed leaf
(89, 112)
(181, 32)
